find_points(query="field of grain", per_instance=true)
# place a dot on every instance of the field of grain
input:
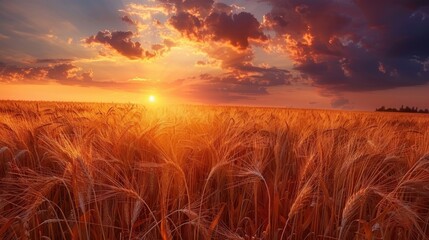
(105, 171)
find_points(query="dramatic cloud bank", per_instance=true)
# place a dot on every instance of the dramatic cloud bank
(335, 45)
(227, 52)
(355, 45)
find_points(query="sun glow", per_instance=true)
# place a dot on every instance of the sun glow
(152, 99)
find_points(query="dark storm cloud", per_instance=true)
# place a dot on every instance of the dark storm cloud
(121, 42)
(236, 29)
(187, 24)
(355, 45)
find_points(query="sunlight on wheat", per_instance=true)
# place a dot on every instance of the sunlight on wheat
(104, 171)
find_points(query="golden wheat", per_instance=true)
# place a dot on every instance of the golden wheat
(123, 171)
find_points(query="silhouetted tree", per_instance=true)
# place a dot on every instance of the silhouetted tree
(402, 109)
(381, 109)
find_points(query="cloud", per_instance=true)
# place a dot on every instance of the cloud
(202, 63)
(65, 72)
(2, 36)
(262, 76)
(161, 48)
(228, 57)
(200, 7)
(206, 21)
(339, 102)
(243, 82)
(187, 24)
(71, 74)
(128, 20)
(354, 45)
(226, 37)
(208, 90)
(232, 83)
(222, 7)
(238, 29)
(60, 72)
(13, 74)
(121, 42)
(53, 60)
(147, 14)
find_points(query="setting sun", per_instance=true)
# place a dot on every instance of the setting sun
(214, 119)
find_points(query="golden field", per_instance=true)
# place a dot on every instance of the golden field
(118, 171)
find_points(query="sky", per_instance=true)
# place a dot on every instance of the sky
(329, 54)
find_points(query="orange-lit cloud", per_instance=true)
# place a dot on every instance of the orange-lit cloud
(63, 72)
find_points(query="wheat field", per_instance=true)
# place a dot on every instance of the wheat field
(124, 171)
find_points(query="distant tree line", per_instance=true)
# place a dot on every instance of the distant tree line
(402, 109)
